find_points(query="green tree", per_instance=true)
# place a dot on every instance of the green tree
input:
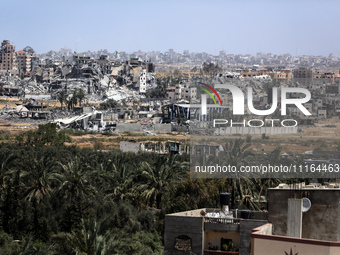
(45, 135)
(74, 187)
(92, 239)
(38, 175)
(109, 104)
(7, 246)
(157, 176)
(237, 153)
(62, 98)
(80, 95)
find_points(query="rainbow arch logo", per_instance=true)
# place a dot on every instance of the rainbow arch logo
(209, 93)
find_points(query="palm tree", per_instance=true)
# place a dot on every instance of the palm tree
(38, 176)
(273, 158)
(80, 95)
(73, 178)
(158, 176)
(10, 189)
(62, 97)
(74, 185)
(93, 238)
(29, 247)
(115, 177)
(124, 175)
(236, 153)
(6, 172)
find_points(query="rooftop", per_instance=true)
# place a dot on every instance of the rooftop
(324, 186)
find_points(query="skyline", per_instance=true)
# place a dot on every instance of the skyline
(247, 27)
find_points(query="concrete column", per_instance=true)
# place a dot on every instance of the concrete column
(338, 236)
(294, 219)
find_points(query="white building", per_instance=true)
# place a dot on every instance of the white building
(142, 82)
(181, 91)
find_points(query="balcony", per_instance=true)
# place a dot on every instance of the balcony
(209, 252)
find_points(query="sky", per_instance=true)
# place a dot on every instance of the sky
(302, 27)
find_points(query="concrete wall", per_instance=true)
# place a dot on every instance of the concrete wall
(294, 221)
(183, 225)
(221, 228)
(255, 130)
(137, 127)
(131, 127)
(191, 224)
(246, 227)
(131, 146)
(162, 128)
(320, 222)
(252, 215)
(176, 128)
(263, 243)
(279, 247)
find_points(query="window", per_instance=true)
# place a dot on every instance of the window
(183, 243)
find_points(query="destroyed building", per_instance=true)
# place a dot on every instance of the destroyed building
(7, 56)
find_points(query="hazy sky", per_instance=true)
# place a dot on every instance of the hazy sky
(302, 27)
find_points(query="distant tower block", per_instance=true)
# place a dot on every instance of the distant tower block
(142, 82)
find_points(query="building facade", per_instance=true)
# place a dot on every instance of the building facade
(142, 82)
(7, 56)
(23, 61)
(206, 232)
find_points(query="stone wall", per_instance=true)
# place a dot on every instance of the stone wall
(319, 222)
(183, 225)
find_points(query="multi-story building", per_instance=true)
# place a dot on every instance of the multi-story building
(303, 73)
(7, 56)
(283, 74)
(324, 77)
(304, 220)
(170, 94)
(249, 74)
(211, 231)
(79, 59)
(181, 91)
(105, 64)
(189, 94)
(142, 82)
(23, 61)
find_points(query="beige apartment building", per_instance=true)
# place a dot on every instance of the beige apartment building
(23, 61)
(7, 56)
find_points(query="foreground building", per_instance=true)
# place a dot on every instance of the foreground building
(305, 219)
(302, 219)
(211, 231)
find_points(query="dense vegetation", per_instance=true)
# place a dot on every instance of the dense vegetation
(56, 199)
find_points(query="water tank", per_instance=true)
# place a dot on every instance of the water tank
(245, 214)
(224, 198)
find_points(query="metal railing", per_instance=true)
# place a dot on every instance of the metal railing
(221, 220)
(209, 252)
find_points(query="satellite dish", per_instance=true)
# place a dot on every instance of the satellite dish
(306, 204)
